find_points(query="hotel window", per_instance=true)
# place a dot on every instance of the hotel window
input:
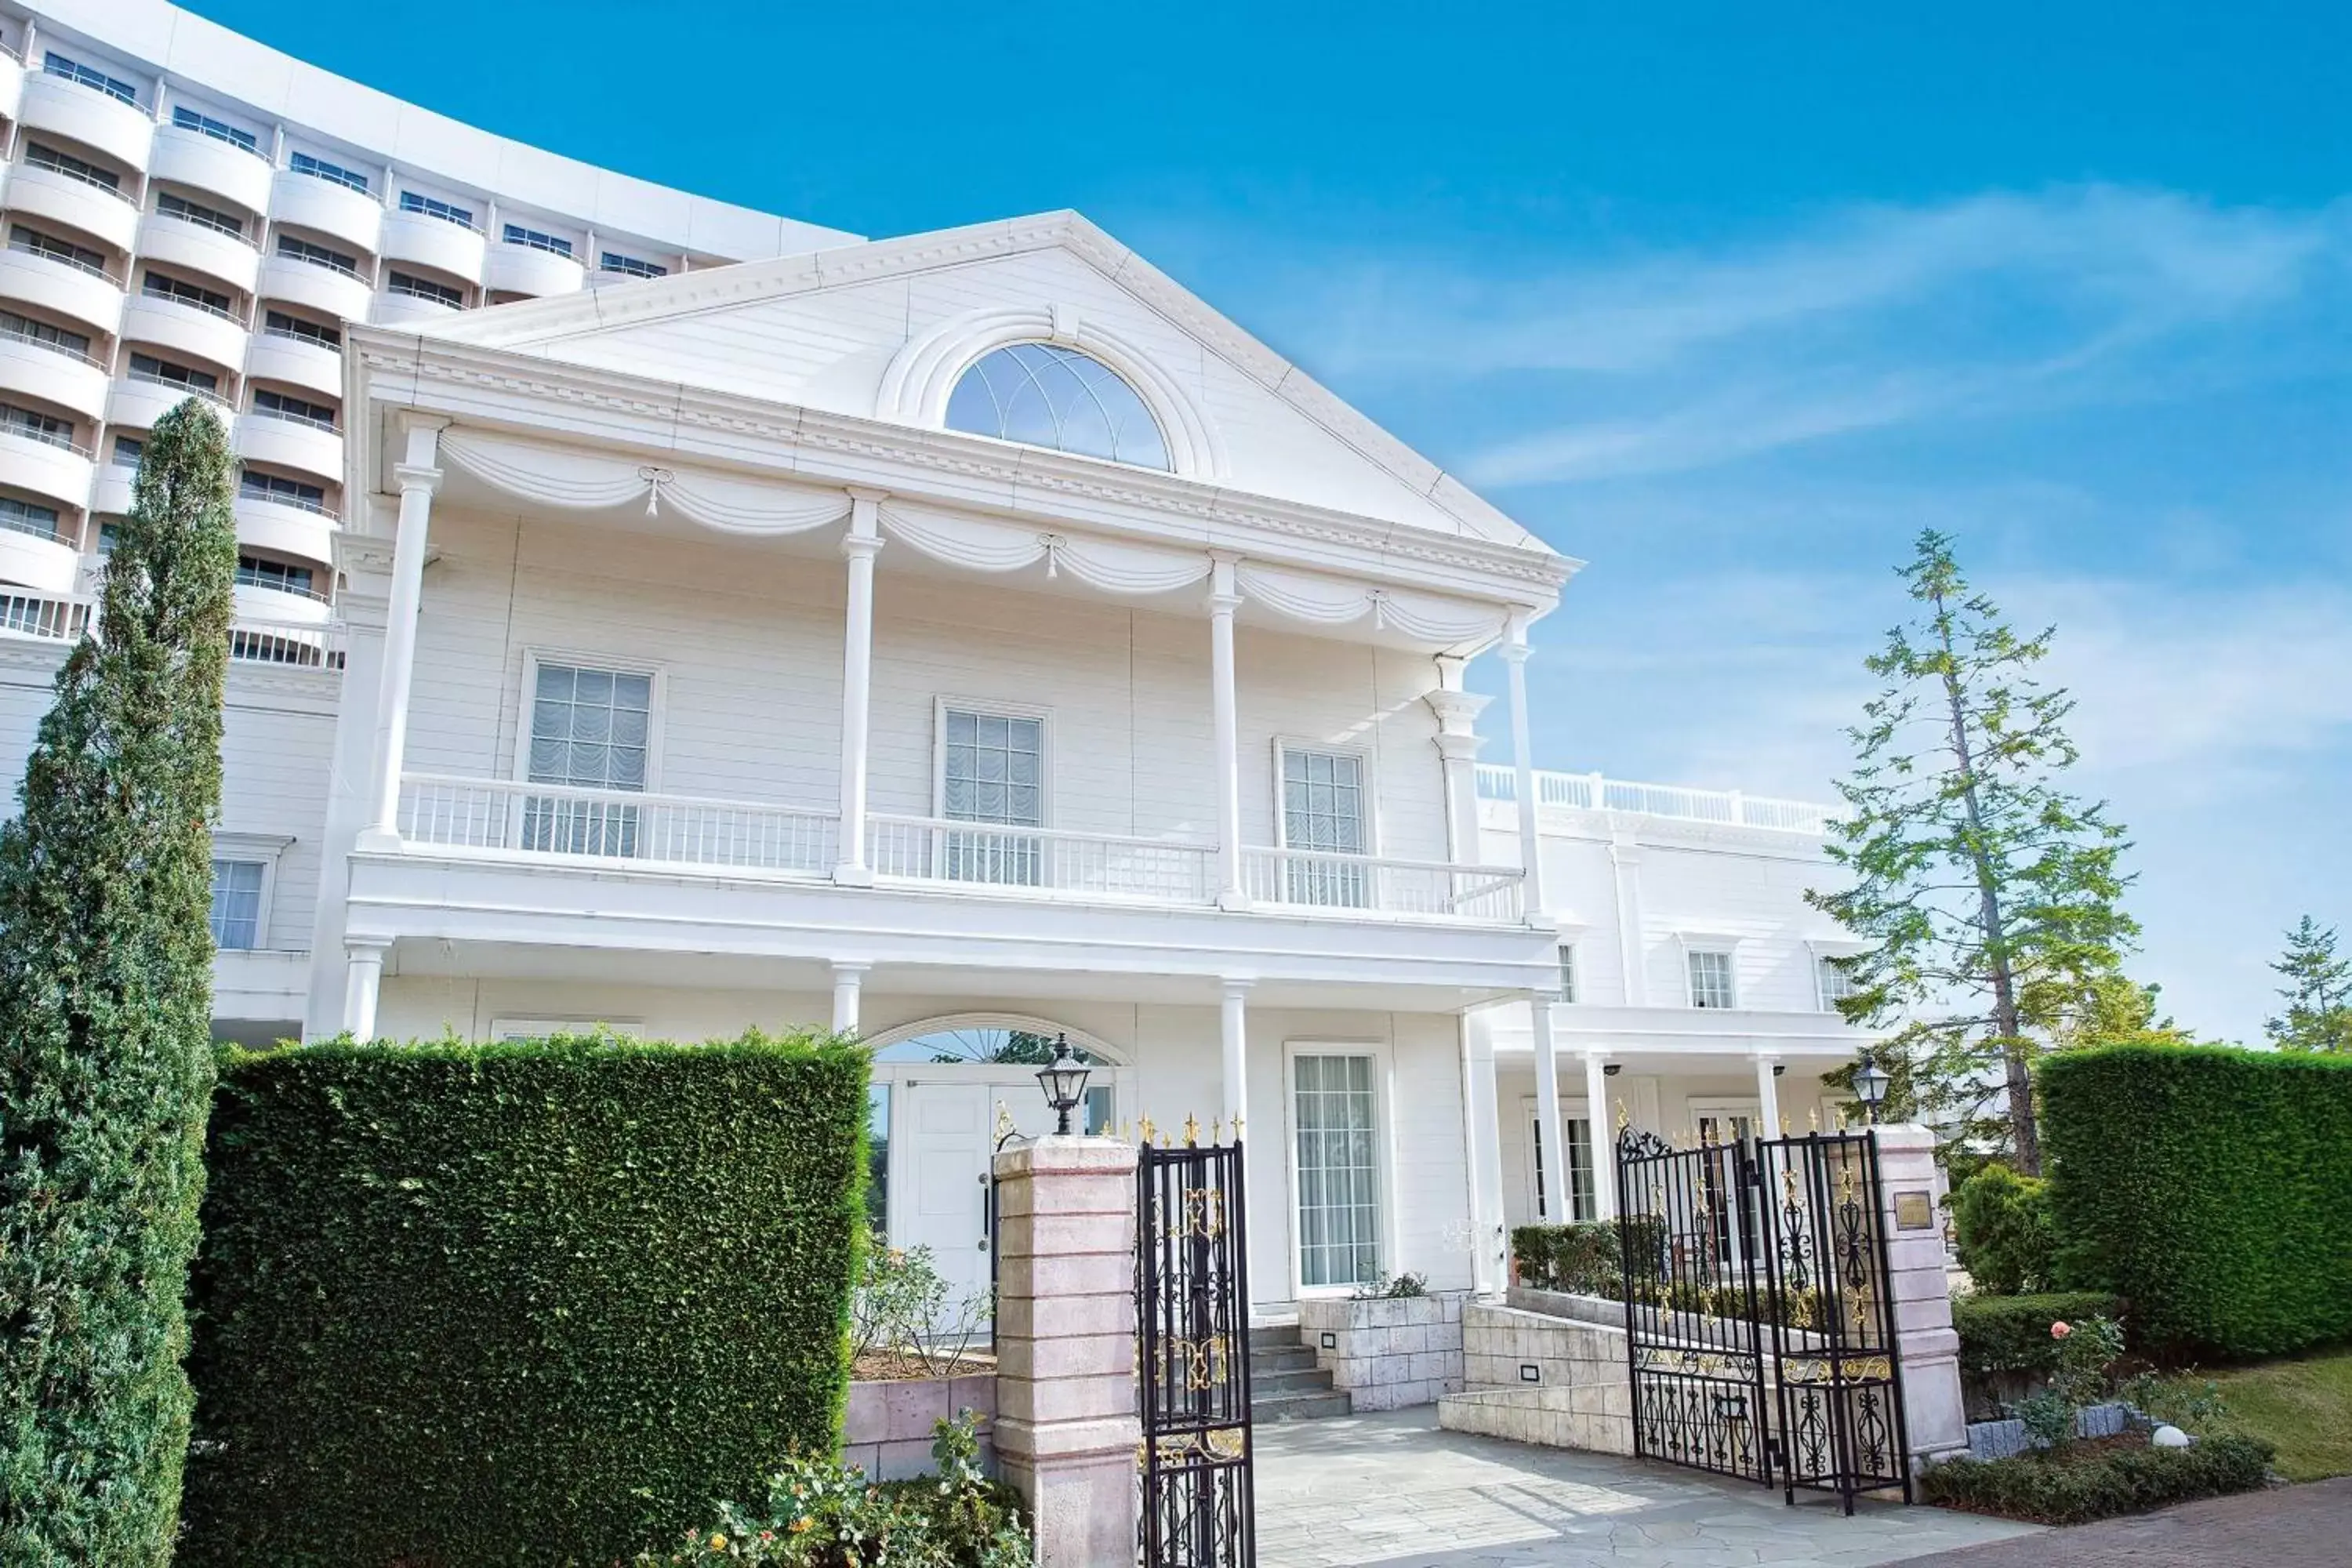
(433, 206)
(590, 729)
(147, 368)
(1837, 984)
(1334, 1114)
(1710, 977)
(28, 517)
(33, 242)
(280, 324)
(1324, 810)
(417, 288)
(156, 286)
(256, 571)
(992, 770)
(1045, 396)
(127, 450)
(56, 64)
(555, 243)
(333, 173)
(300, 410)
(187, 211)
(36, 425)
(32, 331)
(187, 118)
(614, 261)
(318, 255)
(282, 490)
(66, 163)
(1567, 971)
(237, 902)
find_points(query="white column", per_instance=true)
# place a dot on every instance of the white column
(1482, 1116)
(1457, 750)
(848, 983)
(1767, 1095)
(1557, 1210)
(1515, 655)
(1604, 1134)
(1225, 703)
(1234, 1032)
(860, 545)
(362, 985)
(418, 479)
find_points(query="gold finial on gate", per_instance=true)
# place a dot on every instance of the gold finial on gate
(1237, 1128)
(1143, 1128)
(1005, 1127)
(1784, 1124)
(1624, 1120)
(1841, 1117)
(1191, 1131)
(1813, 1118)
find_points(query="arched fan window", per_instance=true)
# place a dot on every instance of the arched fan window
(991, 1045)
(1045, 395)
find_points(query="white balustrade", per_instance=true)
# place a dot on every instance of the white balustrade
(1425, 889)
(1589, 791)
(296, 644)
(613, 825)
(1014, 859)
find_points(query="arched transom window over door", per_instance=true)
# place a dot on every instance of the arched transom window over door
(1042, 395)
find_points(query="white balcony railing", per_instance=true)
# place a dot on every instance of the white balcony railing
(1086, 865)
(1592, 792)
(615, 824)
(289, 643)
(1322, 879)
(40, 616)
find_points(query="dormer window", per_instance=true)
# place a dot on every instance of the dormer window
(1042, 394)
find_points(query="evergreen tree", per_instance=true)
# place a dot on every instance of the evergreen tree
(2318, 992)
(106, 1063)
(1987, 892)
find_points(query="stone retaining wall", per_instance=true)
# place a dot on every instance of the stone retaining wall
(1389, 1353)
(1537, 1378)
(887, 1428)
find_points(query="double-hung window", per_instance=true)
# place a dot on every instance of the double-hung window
(1710, 977)
(1324, 812)
(1836, 983)
(992, 770)
(590, 729)
(237, 902)
(1335, 1114)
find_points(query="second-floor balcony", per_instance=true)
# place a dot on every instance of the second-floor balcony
(556, 824)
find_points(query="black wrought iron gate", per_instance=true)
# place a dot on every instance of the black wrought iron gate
(1760, 1331)
(1192, 1359)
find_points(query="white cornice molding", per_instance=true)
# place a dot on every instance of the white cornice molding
(501, 389)
(696, 294)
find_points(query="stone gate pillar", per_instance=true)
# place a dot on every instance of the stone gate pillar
(1930, 1347)
(1066, 1429)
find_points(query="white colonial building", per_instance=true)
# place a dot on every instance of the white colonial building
(971, 639)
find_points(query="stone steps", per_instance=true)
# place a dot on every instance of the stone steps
(1285, 1385)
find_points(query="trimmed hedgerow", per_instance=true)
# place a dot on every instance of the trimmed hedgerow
(470, 1305)
(1585, 1259)
(2001, 1228)
(2011, 1334)
(2079, 1483)
(2207, 1186)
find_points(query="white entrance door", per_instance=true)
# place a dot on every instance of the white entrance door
(945, 1166)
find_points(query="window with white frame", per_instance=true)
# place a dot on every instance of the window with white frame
(1567, 971)
(237, 887)
(590, 729)
(1581, 1203)
(1836, 983)
(1710, 977)
(1324, 810)
(992, 770)
(1335, 1121)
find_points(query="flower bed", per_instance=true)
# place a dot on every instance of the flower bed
(2082, 1481)
(2006, 1348)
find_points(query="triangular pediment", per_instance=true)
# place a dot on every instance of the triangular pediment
(854, 330)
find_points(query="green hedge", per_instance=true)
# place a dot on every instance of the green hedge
(2002, 1231)
(2011, 1334)
(2208, 1186)
(1581, 1257)
(2079, 1484)
(516, 1303)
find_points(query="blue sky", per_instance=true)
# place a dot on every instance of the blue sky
(1728, 301)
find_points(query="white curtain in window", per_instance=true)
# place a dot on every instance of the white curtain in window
(1334, 1112)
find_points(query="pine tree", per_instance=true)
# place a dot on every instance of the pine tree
(1987, 892)
(106, 1060)
(2318, 992)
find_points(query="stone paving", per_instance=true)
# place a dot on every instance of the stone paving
(2293, 1527)
(1394, 1490)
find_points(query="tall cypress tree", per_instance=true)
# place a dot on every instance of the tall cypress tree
(1990, 895)
(105, 1032)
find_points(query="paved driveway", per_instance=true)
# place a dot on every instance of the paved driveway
(2295, 1527)
(1394, 1490)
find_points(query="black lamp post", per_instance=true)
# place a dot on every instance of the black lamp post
(1870, 1082)
(1063, 1080)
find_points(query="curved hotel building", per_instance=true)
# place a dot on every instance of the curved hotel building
(660, 614)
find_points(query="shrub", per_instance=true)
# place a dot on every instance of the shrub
(1584, 1259)
(2011, 1334)
(2207, 1185)
(2000, 1224)
(824, 1515)
(904, 1304)
(106, 1031)
(2079, 1485)
(535, 1302)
